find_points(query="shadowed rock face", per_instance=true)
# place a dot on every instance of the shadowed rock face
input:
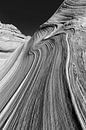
(43, 77)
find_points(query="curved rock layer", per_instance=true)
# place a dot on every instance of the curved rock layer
(43, 77)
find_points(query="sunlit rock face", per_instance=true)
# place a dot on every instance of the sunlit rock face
(43, 77)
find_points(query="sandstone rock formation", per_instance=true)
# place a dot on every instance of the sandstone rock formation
(43, 77)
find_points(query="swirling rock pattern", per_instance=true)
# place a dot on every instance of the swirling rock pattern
(43, 77)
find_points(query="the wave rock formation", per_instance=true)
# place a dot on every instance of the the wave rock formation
(43, 77)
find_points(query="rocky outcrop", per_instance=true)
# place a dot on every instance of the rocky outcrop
(43, 77)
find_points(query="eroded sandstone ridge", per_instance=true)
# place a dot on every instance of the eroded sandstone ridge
(43, 77)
